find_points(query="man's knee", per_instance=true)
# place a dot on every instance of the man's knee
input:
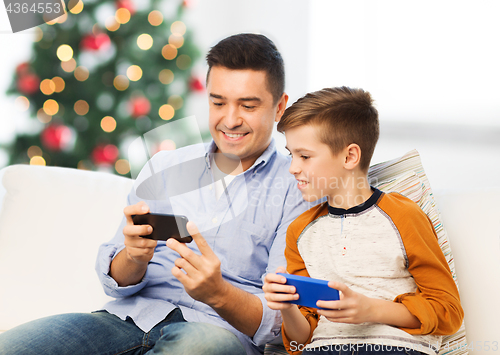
(197, 338)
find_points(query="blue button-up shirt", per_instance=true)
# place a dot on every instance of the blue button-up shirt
(245, 227)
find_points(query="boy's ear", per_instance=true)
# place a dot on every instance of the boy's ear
(352, 156)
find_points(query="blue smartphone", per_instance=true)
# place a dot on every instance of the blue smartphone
(311, 290)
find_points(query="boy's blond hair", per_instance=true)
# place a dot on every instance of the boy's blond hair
(343, 115)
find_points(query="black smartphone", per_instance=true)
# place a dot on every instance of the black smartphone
(164, 226)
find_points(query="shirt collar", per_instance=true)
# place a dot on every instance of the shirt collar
(263, 159)
(373, 199)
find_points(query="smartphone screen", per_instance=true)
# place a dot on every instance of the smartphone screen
(164, 226)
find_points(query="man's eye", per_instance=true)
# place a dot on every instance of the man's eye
(248, 107)
(218, 103)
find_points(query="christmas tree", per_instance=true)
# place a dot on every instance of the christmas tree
(100, 76)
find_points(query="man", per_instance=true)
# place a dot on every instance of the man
(204, 297)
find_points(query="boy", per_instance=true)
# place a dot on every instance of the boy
(379, 250)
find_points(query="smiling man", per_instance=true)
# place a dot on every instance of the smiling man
(204, 297)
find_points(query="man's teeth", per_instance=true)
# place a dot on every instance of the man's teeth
(235, 135)
(302, 182)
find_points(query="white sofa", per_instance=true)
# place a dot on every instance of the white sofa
(52, 221)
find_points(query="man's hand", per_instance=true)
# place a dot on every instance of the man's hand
(139, 250)
(199, 274)
(130, 265)
(276, 292)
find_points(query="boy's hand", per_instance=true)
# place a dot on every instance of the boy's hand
(276, 292)
(352, 307)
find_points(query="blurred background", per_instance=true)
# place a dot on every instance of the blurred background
(431, 67)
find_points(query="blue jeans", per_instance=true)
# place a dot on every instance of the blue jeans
(101, 333)
(361, 349)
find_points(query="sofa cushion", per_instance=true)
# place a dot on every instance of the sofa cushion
(52, 222)
(406, 175)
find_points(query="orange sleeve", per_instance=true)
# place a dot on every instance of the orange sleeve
(436, 303)
(296, 266)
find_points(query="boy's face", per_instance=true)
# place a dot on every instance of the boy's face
(242, 112)
(319, 173)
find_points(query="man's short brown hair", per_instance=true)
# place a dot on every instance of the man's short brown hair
(250, 51)
(343, 116)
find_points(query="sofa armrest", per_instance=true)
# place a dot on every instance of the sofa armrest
(472, 220)
(52, 221)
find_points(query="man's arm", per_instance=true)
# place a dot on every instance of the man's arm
(241, 309)
(202, 279)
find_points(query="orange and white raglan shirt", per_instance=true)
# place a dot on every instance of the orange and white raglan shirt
(385, 248)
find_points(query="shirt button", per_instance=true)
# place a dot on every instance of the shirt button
(214, 220)
(210, 187)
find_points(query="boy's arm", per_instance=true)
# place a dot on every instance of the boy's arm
(355, 308)
(277, 295)
(296, 266)
(436, 302)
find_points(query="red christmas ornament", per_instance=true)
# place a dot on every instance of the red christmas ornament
(126, 4)
(139, 106)
(56, 137)
(28, 83)
(93, 42)
(105, 154)
(195, 84)
(23, 68)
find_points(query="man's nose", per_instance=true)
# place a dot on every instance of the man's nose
(233, 118)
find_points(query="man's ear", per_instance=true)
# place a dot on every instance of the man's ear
(352, 156)
(281, 106)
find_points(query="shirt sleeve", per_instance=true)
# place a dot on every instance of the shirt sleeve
(436, 302)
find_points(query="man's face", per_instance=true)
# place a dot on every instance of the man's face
(242, 112)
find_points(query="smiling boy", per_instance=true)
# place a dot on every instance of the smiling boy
(380, 250)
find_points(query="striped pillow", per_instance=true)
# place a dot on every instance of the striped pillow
(406, 175)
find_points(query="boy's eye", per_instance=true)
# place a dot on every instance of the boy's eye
(304, 157)
(217, 103)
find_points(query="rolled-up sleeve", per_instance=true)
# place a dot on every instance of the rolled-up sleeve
(106, 254)
(270, 325)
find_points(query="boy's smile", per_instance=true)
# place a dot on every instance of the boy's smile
(314, 166)
(320, 173)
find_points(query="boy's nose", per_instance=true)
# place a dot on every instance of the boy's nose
(294, 168)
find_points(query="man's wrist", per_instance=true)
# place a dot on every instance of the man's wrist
(221, 297)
